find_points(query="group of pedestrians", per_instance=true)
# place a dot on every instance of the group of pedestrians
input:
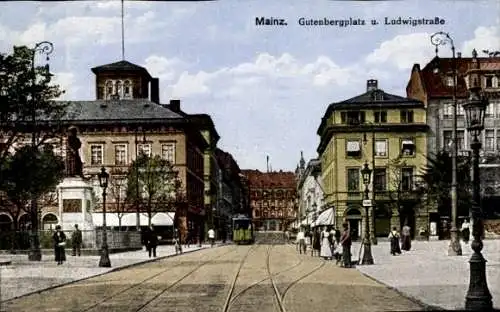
(59, 239)
(395, 238)
(330, 243)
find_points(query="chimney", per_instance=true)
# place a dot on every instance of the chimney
(459, 54)
(175, 105)
(371, 85)
(155, 90)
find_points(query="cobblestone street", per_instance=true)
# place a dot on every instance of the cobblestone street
(229, 278)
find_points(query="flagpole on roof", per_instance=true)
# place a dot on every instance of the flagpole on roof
(123, 34)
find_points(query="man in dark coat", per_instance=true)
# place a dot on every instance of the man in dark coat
(59, 239)
(151, 241)
(76, 241)
(346, 242)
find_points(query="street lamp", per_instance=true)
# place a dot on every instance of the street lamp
(43, 47)
(455, 249)
(478, 296)
(103, 182)
(367, 254)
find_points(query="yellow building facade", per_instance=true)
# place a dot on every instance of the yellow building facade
(388, 133)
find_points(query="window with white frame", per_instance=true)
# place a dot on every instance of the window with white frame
(461, 139)
(447, 110)
(489, 140)
(168, 152)
(381, 148)
(96, 154)
(120, 154)
(447, 140)
(460, 109)
(144, 149)
(450, 81)
(490, 110)
(488, 81)
(408, 147)
(353, 148)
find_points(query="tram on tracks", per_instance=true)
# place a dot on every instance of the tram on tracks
(243, 230)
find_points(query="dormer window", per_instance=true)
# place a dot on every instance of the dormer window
(449, 81)
(408, 147)
(353, 148)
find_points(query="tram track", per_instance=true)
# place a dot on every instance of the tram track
(280, 296)
(149, 278)
(232, 298)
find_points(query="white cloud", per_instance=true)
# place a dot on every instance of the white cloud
(485, 38)
(403, 51)
(67, 82)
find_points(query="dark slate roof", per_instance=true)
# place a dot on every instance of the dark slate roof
(434, 82)
(120, 66)
(376, 98)
(118, 111)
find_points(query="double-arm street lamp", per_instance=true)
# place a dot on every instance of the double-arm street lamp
(103, 182)
(367, 248)
(478, 296)
(44, 47)
(455, 249)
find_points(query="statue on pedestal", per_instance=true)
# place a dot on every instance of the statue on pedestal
(73, 161)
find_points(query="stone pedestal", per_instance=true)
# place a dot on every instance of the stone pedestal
(75, 204)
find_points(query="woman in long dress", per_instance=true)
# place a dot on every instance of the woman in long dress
(59, 242)
(326, 248)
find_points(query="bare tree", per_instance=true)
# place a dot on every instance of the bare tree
(118, 191)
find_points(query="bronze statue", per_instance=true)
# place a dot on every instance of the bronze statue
(73, 161)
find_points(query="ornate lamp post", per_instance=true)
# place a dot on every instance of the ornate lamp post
(455, 249)
(367, 254)
(103, 181)
(43, 47)
(478, 296)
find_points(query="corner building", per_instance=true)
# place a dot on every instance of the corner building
(387, 132)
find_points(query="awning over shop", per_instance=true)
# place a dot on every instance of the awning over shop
(130, 219)
(327, 217)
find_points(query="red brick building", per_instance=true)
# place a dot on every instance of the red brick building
(273, 199)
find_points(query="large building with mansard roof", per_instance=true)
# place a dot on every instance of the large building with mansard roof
(127, 118)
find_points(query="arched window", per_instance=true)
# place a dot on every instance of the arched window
(109, 89)
(127, 89)
(5, 222)
(119, 89)
(49, 221)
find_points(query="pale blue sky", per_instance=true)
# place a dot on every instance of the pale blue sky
(265, 87)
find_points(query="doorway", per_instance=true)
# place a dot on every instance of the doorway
(354, 220)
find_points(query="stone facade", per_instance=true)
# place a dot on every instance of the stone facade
(309, 191)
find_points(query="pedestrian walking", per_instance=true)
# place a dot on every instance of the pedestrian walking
(394, 239)
(316, 242)
(346, 242)
(337, 235)
(76, 241)
(211, 237)
(177, 242)
(406, 238)
(326, 246)
(465, 231)
(301, 241)
(59, 239)
(151, 241)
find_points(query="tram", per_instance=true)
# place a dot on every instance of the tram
(242, 230)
